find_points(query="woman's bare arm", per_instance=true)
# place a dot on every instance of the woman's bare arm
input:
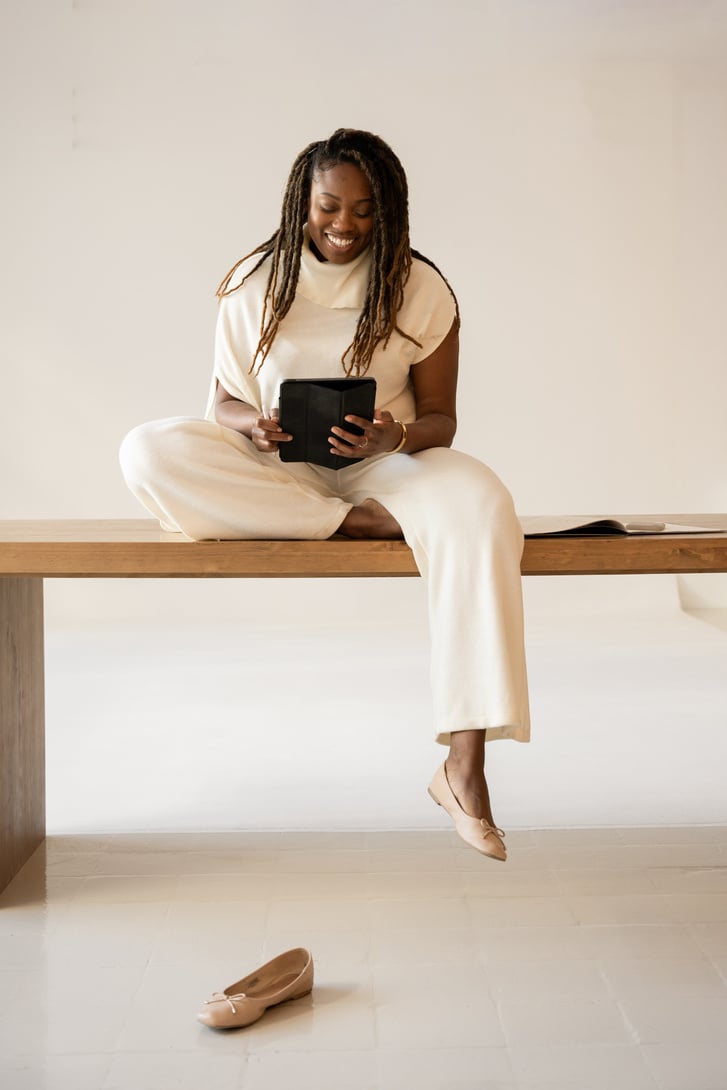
(435, 392)
(265, 432)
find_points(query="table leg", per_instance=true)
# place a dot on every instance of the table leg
(22, 724)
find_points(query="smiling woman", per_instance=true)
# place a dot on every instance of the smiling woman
(335, 292)
(341, 214)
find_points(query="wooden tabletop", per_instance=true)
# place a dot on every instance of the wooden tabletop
(136, 548)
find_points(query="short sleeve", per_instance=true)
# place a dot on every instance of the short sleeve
(429, 309)
(235, 341)
(236, 338)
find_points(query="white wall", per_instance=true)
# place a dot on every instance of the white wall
(568, 167)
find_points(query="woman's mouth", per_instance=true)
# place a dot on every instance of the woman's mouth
(340, 243)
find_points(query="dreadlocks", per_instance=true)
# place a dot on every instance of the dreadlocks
(391, 253)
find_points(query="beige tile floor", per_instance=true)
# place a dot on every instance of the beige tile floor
(592, 960)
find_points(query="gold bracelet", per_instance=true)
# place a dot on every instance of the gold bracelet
(402, 441)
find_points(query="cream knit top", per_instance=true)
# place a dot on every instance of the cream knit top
(320, 326)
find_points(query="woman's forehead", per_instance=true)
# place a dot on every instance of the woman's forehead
(342, 180)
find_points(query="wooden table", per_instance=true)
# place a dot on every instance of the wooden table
(135, 548)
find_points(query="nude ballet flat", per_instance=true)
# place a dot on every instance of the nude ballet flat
(288, 976)
(477, 832)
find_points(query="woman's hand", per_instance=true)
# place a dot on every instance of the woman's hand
(434, 382)
(266, 433)
(380, 436)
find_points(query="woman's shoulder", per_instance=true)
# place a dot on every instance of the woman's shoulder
(426, 279)
(426, 289)
(429, 307)
(253, 270)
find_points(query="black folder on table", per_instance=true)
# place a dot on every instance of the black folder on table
(309, 408)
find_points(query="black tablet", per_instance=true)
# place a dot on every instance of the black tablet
(310, 407)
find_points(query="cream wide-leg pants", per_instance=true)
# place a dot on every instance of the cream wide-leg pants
(210, 482)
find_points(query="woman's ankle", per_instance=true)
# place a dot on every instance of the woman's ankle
(465, 771)
(467, 752)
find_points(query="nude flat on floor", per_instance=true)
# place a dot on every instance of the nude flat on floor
(288, 976)
(478, 833)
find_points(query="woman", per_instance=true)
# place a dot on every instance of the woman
(337, 291)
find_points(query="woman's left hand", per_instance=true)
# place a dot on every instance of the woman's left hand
(380, 435)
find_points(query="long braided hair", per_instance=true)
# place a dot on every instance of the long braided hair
(391, 253)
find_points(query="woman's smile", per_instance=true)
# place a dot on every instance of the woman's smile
(339, 241)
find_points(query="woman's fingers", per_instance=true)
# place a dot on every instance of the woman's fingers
(376, 437)
(266, 433)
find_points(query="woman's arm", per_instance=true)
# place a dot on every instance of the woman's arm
(264, 432)
(435, 392)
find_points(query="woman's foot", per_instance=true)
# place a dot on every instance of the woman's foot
(479, 833)
(370, 519)
(469, 787)
(465, 766)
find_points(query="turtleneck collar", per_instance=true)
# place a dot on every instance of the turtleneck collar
(331, 285)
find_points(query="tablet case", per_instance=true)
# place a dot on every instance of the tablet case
(309, 408)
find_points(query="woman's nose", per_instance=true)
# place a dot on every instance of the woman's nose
(343, 221)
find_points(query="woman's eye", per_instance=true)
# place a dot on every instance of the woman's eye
(328, 211)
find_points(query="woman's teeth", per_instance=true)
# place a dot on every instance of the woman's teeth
(340, 243)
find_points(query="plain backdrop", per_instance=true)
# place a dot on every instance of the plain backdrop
(567, 162)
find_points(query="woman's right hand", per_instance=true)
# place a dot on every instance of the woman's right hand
(266, 433)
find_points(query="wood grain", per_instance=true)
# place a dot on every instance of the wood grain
(22, 725)
(136, 548)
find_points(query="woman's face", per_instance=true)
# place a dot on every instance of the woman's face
(341, 213)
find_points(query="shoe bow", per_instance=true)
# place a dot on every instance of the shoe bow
(219, 997)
